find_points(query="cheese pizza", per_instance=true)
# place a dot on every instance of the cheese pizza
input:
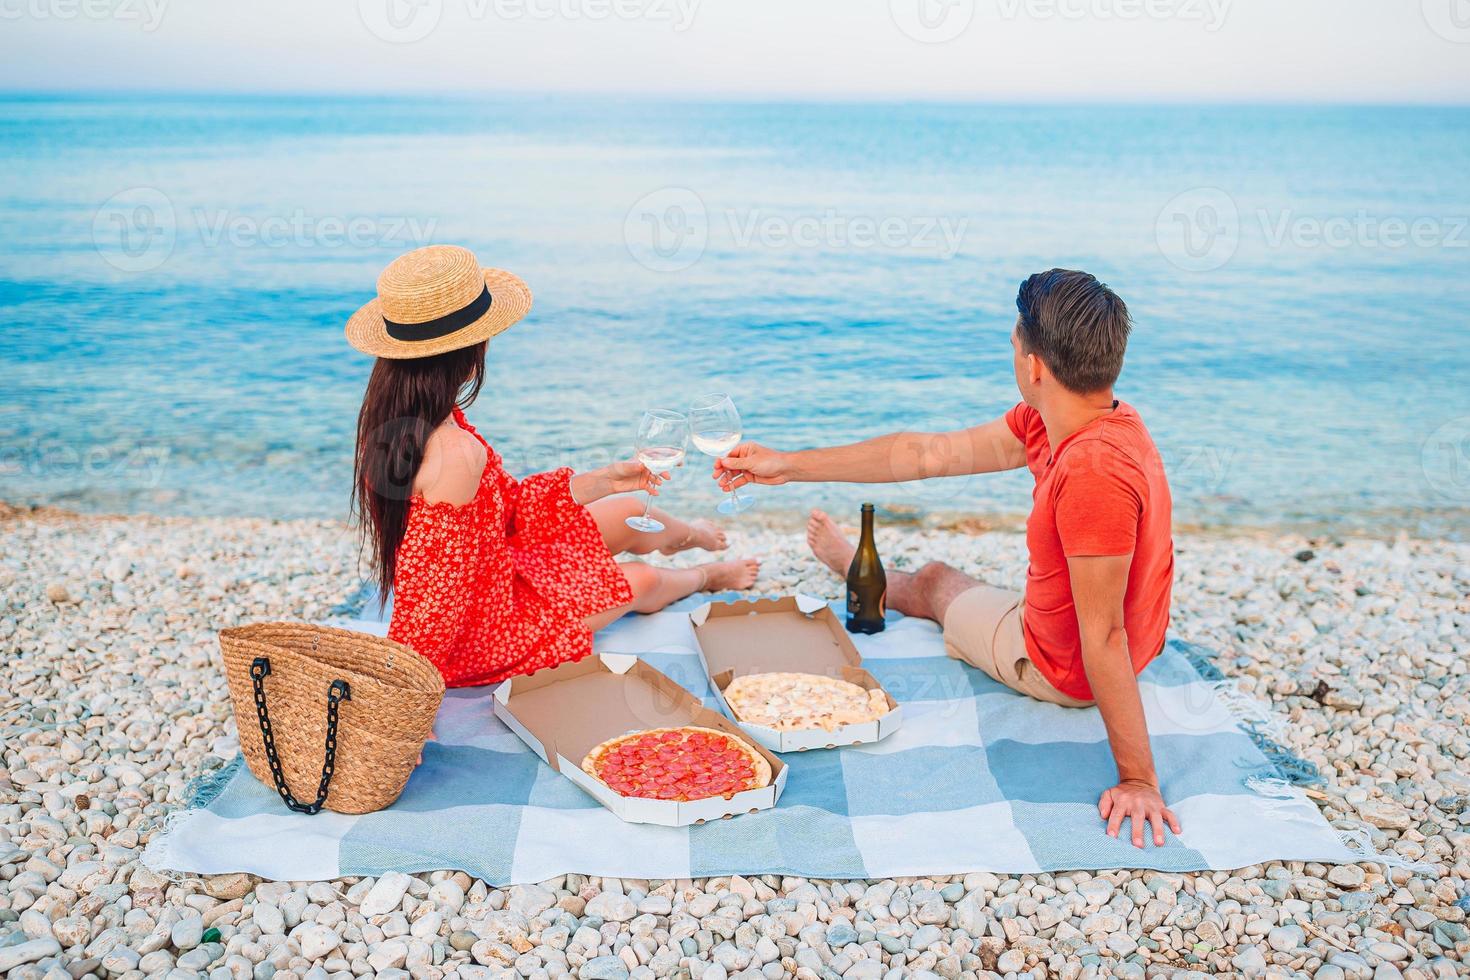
(797, 702)
(683, 764)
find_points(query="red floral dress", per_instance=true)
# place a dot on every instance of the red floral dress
(500, 585)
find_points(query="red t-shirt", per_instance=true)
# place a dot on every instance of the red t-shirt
(1102, 492)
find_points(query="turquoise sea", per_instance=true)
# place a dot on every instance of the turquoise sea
(175, 273)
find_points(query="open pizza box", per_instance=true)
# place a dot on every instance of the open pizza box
(564, 712)
(797, 634)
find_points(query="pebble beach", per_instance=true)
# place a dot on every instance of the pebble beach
(114, 701)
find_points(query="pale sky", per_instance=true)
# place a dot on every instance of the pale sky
(991, 50)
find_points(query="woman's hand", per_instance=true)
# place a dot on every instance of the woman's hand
(629, 475)
(624, 476)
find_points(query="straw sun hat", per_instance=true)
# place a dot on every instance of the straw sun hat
(437, 299)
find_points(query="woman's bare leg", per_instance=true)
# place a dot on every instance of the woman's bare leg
(612, 513)
(654, 588)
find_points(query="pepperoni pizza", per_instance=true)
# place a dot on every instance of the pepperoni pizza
(682, 764)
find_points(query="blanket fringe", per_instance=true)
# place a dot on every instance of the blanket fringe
(356, 601)
(1271, 787)
(1280, 799)
(1279, 784)
(1359, 840)
(1260, 724)
(201, 791)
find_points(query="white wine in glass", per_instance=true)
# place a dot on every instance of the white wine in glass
(663, 439)
(714, 425)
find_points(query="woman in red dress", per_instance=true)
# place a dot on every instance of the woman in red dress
(492, 576)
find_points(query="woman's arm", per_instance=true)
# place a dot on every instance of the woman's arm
(620, 477)
(539, 506)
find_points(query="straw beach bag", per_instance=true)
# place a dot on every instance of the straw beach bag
(327, 715)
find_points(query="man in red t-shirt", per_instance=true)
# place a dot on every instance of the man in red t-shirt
(1096, 603)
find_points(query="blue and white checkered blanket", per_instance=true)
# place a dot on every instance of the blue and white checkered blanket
(978, 778)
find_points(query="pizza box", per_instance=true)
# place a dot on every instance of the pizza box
(795, 633)
(564, 712)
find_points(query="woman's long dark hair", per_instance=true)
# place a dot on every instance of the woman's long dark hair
(406, 400)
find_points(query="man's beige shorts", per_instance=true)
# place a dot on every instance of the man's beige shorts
(982, 627)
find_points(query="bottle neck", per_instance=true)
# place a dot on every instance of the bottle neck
(867, 524)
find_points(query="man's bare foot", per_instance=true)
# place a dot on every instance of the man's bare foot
(828, 542)
(737, 574)
(703, 534)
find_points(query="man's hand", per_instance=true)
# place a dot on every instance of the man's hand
(1099, 583)
(750, 462)
(1139, 802)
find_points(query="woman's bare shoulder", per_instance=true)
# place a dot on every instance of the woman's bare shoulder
(454, 462)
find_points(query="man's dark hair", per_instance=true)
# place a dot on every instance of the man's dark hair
(1076, 325)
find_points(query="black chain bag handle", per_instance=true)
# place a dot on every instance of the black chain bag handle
(338, 692)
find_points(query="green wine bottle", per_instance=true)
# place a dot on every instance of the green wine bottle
(867, 586)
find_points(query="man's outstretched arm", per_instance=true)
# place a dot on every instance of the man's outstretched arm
(1098, 586)
(894, 458)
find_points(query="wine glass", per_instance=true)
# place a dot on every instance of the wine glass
(663, 439)
(714, 424)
